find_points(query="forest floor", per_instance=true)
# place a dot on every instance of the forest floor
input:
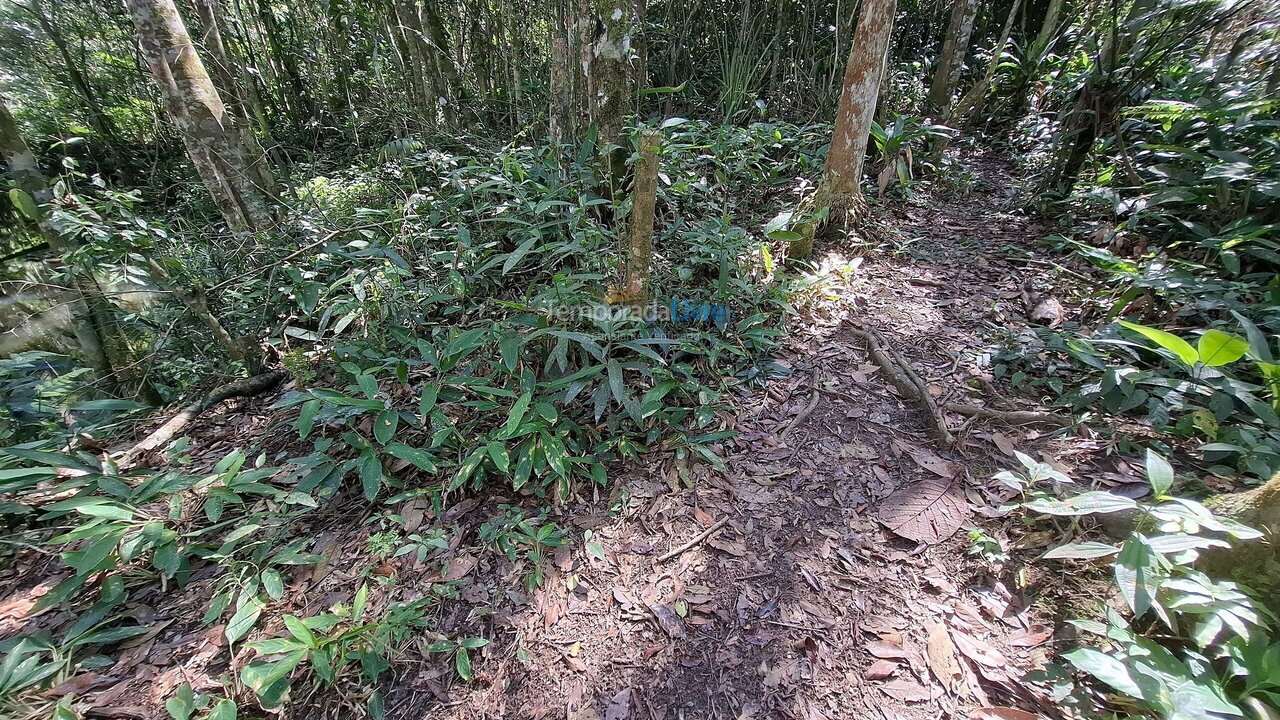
(800, 603)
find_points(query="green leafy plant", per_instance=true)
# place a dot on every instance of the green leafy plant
(1192, 645)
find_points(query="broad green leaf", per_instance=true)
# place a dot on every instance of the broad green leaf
(273, 583)
(24, 203)
(260, 675)
(516, 416)
(243, 620)
(1083, 504)
(462, 662)
(1174, 344)
(368, 385)
(421, 459)
(1081, 551)
(370, 471)
(1159, 473)
(1135, 574)
(307, 417)
(1105, 668)
(182, 704)
(428, 399)
(300, 632)
(498, 454)
(384, 426)
(225, 710)
(1217, 348)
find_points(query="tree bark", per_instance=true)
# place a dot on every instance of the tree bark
(841, 186)
(229, 161)
(1048, 31)
(954, 48)
(644, 197)
(606, 30)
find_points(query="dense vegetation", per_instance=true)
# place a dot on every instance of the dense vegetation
(429, 220)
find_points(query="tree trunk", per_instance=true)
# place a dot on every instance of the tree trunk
(973, 99)
(288, 63)
(1048, 31)
(229, 161)
(26, 174)
(606, 29)
(644, 196)
(954, 48)
(841, 186)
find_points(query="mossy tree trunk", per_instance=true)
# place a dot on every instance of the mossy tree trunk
(230, 162)
(954, 48)
(606, 31)
(644, 196)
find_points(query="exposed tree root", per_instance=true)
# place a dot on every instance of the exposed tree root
(812, 405)
(1009, 417)
(244, 387)
(907, 381)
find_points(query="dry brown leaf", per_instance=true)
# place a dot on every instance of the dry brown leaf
(979, 651)
(886, 650)
(459, 567)
(906, 691)
(1031, 637)
(929, 511)
(929, 461)
(1003, 442)
(1001, 713)
(941, 657)
(668, 620)
(881, 669)
(619, 707)
(703, 517)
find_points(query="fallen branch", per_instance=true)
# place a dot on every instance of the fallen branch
(697, 539)
(1010, 417)
(901, 374)
(244, 387)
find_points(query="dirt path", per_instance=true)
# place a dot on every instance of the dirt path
(801, 605)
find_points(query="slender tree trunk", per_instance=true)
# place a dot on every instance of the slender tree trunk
(230, 162)
(973, 99)
(292, 74)
(227, 69)
(841, 186)
(954, 48)
(644, 196)
(1048, 31)
(99, 120)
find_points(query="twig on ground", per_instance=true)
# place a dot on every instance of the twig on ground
(814, 398)
(696, 539)
(1010, 417)
(238, 388)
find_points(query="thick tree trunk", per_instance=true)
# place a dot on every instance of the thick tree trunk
(230, 162)
(841, 186)
(606, 31)
(954, 48)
